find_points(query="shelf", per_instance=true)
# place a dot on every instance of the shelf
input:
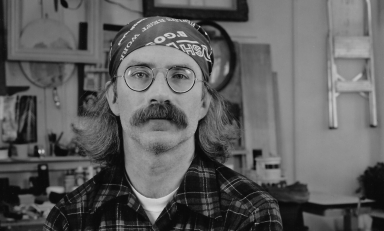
(16, 89)
(55, 163)
(43, 159)
(377, 213)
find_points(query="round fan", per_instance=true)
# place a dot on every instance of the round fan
(50, 34)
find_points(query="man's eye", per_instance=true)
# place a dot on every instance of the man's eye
(140, 75)
(180, 76)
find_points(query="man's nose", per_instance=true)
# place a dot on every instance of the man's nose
(160, 90)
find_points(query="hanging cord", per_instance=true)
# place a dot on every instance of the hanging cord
(124, 7)
(64, 3)
(42, 8)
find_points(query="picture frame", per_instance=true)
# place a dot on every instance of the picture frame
(20, 50)
(229, 10)
(3, 58)
(224, 54)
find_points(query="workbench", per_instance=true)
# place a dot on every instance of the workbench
(332, 205)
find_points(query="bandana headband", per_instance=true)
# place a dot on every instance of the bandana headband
(183, 35)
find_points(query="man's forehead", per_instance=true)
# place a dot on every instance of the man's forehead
(159, 56)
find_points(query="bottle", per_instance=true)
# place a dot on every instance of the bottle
(69, 181)
(89, 173)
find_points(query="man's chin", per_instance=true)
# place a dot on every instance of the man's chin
(159, 138)
(157, 144)
(158, 148)
(159, 141)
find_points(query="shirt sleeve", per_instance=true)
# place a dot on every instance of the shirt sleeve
(266, 217)
(56, 220)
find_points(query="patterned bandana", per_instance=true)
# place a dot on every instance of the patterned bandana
(184, 35)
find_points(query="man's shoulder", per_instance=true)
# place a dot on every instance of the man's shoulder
(237, 189)
(242, 199)
(74, 207)
(82, 194)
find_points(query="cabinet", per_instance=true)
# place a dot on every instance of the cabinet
(30, 225)
(18, 170)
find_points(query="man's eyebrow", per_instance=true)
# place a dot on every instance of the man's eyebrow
(182, 65)
(152, 65)
(140, 63)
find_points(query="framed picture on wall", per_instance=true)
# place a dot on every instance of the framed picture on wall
(3, 46)
(223, 10)
(42, 31)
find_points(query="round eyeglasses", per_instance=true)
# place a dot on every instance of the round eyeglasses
(179, 79)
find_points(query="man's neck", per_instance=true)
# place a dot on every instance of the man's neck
(156, 175)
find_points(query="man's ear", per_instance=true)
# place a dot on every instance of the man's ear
(205, 104)
(111, 97)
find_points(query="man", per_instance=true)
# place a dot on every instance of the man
(160, 130)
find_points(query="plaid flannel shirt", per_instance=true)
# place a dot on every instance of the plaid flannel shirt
(210, 197)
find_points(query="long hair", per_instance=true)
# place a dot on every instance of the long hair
(99, 133)
(217, 130)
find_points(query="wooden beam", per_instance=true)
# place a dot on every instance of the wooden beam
(255, 61)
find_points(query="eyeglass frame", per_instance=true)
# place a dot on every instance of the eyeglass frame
(166, 79)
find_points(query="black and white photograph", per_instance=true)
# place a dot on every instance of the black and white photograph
(246, 115)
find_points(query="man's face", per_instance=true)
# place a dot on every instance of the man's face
(158, 135)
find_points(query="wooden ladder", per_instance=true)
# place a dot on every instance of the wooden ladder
(346, 45)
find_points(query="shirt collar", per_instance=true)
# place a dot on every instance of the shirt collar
(198, 190)
(109, 185)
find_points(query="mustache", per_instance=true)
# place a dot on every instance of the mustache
(165, 111)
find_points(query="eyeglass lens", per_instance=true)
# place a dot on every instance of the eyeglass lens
(179, 79)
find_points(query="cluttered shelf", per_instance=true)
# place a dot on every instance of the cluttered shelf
(43, 159)
(56, 163)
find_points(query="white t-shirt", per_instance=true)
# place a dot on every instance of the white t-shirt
(153, 206)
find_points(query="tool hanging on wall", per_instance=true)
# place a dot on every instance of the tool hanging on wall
(350, 38)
